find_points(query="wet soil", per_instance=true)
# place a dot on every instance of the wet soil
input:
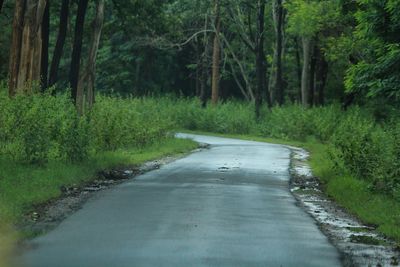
(359, 244)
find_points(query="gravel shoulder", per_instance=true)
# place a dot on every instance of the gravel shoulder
(359, 244)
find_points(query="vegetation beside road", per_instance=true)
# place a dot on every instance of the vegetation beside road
(354, 153)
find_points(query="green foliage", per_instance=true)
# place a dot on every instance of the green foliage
(40, 128)
(37, 128)
(377, 74)
(307, 17)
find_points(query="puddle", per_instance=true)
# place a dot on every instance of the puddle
(360, 244)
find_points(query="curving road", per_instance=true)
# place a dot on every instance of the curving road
(229, 205)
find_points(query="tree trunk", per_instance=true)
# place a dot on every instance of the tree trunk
(313, 63)
(305, 77)
(76, 51)
(279, 47)
(298, 67)
(260, 59)
(216, 55)
(25, 56)
(320, 77)
(197, 48)
(16, 43)
(58, 50)
(45, 47)
(88, 78)
(204, 65)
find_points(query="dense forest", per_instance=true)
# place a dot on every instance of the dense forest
(79, 78)
(276, 52)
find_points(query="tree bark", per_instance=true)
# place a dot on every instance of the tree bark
(298, 68)
(305, 77)
(25, 56)
(16, 43)
(45, 47)
(320, 77)
(88, 77)
(76, 50)
(313, 63)
(216, 55)
(260, 59)
(58, 50)
(204, 65)
(279, 47)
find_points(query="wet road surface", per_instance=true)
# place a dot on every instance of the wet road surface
(229, 205)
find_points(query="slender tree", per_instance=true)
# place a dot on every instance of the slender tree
(87, 79)
(44, 65)
(321, 75)
(279, 28)
(204, 64)
(306, 71)
(76, 49)
(58, 50)
(261, 67)
(216, 55)
(1, 4)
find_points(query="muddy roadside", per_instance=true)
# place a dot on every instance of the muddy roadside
(47, 216)
(359, 244)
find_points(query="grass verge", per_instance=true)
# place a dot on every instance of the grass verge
(23, 186)
(375, 209)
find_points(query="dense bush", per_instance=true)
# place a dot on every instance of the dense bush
(39, 128)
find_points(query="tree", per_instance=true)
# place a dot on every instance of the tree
(58, 50)
(376, 72)
(87, 79)
(216, 55)
(279, 29)
(26, 49)
(45, 47)
(306, 20)
(76, 50)
(261, 67)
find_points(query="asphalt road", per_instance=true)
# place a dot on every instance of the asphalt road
(229, 205)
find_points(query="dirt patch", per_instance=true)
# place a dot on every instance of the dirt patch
(48, 215)
(359, 244)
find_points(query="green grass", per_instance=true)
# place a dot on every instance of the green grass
(24, 185)
(375, 209)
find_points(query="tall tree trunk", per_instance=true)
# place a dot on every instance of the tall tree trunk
(88, 78)
(16, 43)
(313, 63)
(76, 50)
(25, 56)
(58, 50)
(320, 77)
(305, 77)
(204, 65)
(45, 47)
(216, 55)
(279, 47)
(260, 59)
(197, 48)
(298, 68)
